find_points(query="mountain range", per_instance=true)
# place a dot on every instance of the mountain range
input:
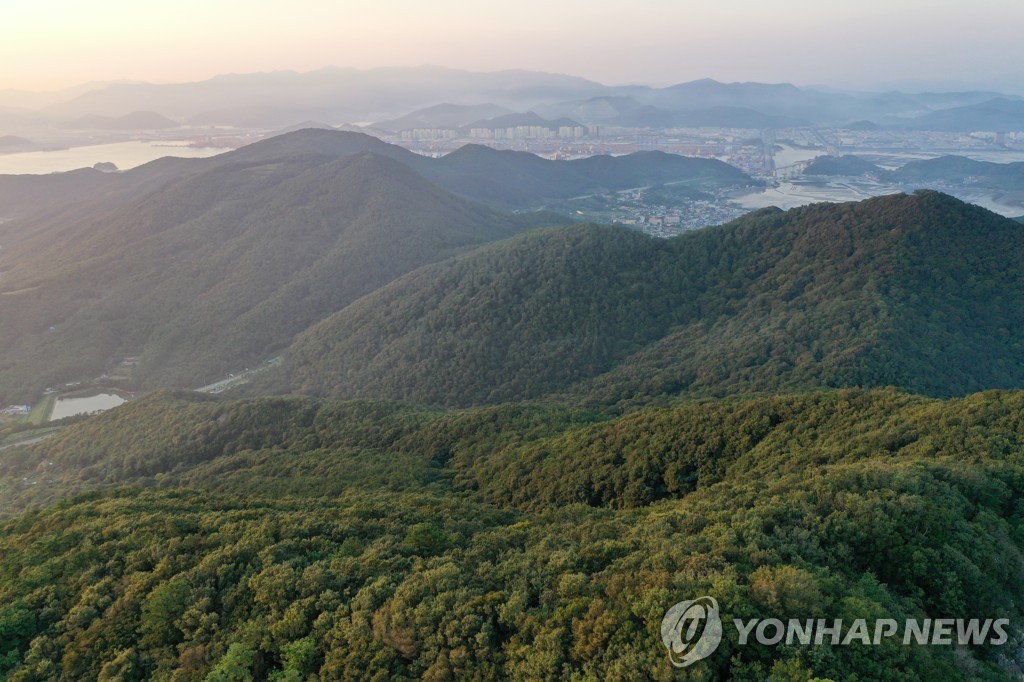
(319, 243)
(512, 120)
(451, 116)
(998, 114)
(823, 296)
(137, 120)
(203, 267)
(400, 98)
(336, 94)
(517, 441)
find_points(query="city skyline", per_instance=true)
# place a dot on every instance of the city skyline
(872, 45)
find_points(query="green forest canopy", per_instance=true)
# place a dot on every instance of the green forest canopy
(300, 539)
(923, 292)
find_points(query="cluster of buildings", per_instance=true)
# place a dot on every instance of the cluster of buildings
(669, 221)
(429, 134)
(528, 133)
(510, 134)
(657, 215)
(904, 145)
(16, 410)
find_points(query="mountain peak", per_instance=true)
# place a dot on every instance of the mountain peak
(318, 141)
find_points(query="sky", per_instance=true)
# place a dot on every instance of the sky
(860, 44)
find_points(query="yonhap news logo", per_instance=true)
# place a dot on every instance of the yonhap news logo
(692, 630)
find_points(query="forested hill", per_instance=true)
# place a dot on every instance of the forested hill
(203, 267)
(216, 270)
(284, 538)
(505, 179)
(923, 292)
(848, 164)
(510, 179)
(521, 180)
(961, 170)
(85, 189)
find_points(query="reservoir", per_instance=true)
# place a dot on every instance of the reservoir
(71, 407)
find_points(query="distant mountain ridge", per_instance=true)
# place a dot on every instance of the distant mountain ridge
(336, 94)
(999, 114)
(443, 116)
(961, 170)
(510, 179)
(279, 99)
(512, 120)
(14, 142)
(138, 120)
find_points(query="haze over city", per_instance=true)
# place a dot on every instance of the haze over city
(872, 44)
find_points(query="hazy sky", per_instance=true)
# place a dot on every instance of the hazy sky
(48, 44)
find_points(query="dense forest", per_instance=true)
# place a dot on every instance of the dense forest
(297, 539)
(923, 292)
